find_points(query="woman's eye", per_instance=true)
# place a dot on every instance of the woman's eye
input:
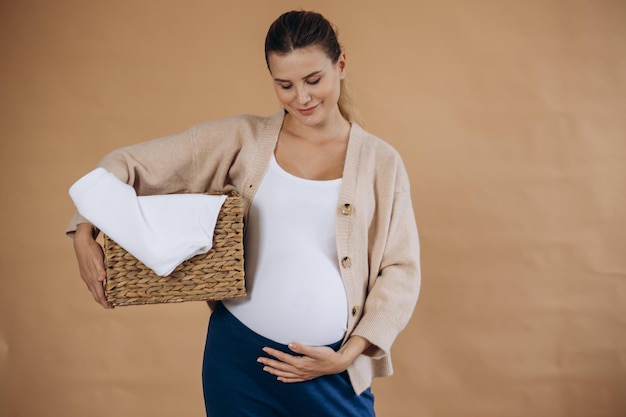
(313, 82)
(285, 87)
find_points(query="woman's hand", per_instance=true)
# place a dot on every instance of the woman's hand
(90, 259)
(311, 362)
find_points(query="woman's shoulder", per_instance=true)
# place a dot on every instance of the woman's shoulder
(381, 159)
(378, 146)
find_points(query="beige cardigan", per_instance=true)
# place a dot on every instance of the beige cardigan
(377, 241)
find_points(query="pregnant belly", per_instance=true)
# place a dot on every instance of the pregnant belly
(307, 307)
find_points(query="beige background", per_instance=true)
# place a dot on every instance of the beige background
(510, 116)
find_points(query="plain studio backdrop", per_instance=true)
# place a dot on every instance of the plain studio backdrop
(511, 119)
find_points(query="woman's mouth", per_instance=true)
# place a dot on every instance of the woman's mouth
(308, 111)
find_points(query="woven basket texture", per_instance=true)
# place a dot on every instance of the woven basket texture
(216, 275)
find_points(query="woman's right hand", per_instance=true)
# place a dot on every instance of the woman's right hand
(90, 259)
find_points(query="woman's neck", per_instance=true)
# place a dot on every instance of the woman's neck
(335, 128)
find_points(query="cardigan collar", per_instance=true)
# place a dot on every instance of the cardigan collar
(267, 143)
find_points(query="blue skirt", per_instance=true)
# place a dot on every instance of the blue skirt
(235, 384)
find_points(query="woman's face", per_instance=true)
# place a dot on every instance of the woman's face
(307, 84)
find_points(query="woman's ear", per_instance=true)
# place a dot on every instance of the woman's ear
(342, 65)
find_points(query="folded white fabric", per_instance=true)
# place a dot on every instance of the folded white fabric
(162, 231)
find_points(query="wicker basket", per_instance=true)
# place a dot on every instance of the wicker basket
(215, 275)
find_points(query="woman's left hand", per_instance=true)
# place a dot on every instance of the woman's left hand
(310, 362)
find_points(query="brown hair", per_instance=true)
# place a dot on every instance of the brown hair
(300, 29)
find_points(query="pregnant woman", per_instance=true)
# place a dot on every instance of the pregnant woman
(332, 252)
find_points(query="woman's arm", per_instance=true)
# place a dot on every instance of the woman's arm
(90, 259)
(193, 161)
(157, 166)
(160, 166)
(393, 292)
(310, 362)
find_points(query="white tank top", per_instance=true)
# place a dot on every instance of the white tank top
(295, 291)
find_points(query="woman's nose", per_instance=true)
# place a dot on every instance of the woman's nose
(303, 96)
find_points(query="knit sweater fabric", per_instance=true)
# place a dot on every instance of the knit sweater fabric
(377, 239)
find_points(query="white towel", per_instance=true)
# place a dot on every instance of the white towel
(162, 231)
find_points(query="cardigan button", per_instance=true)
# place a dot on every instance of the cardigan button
(355, 311)
(346, 209)
(346, 262)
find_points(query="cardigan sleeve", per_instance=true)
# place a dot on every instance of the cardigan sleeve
(159, 166)
(395, 285)
(215, 156)
(197, 160)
